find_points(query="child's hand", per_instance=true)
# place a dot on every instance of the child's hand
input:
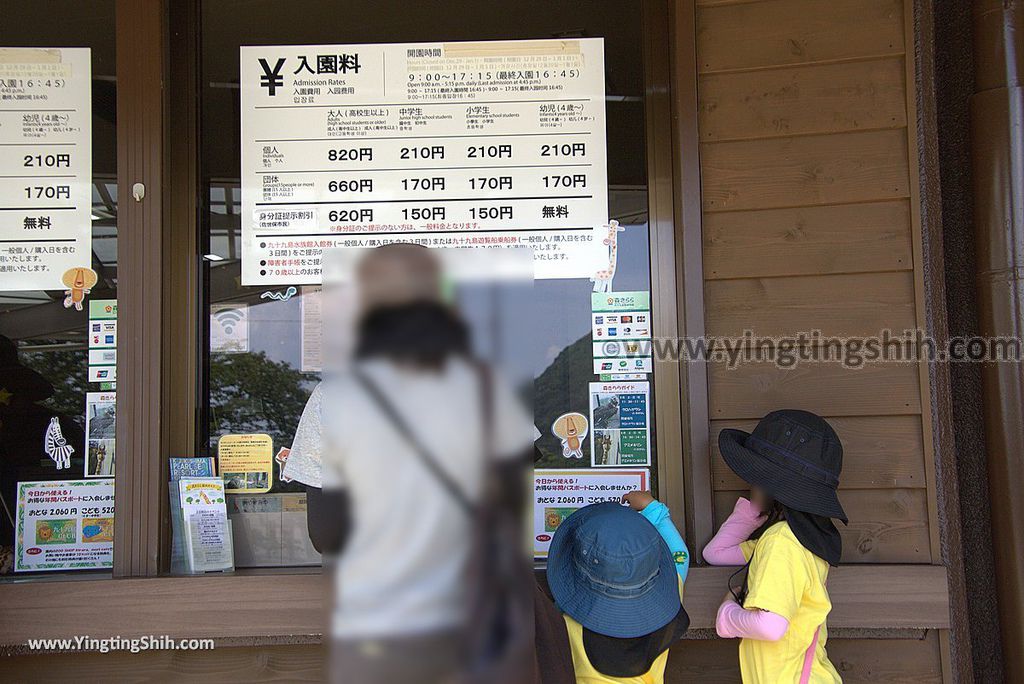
(638, 500)
(749, 510)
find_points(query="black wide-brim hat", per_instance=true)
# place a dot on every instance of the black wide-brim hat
(793, 456)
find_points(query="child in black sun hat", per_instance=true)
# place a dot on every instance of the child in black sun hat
(792, 462)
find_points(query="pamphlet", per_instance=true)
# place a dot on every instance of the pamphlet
(204, 518)
(181, 468)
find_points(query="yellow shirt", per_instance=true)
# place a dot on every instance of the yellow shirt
(587, 674)
(788, 580)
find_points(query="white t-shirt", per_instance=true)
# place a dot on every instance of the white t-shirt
(402, 568)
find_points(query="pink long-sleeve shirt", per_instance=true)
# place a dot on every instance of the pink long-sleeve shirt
(724, 549)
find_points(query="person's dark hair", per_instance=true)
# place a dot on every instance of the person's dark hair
(776, 513)
(424, 334)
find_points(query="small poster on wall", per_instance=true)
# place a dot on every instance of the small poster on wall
(64, 525)
(620, 424)
(557, 494)
(246, 462)
(99, 433)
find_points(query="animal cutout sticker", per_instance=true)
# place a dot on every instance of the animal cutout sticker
(57, 447)
(603, 279)
(79, 282)
(571, 428)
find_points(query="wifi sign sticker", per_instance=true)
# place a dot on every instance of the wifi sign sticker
(229, 328)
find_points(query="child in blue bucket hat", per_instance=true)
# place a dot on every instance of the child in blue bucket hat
(617, 574)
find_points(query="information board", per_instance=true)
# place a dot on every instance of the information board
(557, 494)
(46, 167)
(64, 525)
(498, 143)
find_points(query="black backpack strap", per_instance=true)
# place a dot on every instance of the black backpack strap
(427, 458)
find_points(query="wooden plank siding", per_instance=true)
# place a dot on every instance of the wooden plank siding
(907, 661)
(838, 238)
(710, 662)
(841, 305)
(772, 33)
(808, 173)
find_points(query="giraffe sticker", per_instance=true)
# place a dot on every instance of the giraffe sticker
(603, 279)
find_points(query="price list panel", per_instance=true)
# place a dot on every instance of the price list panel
(45, 166)
(485, 144)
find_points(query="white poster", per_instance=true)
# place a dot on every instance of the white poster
(557, 494)
(100, 427)
(620, 424)
(229, 328)
(46, 169)
(64, 525)
(498, 143)
(311, 304)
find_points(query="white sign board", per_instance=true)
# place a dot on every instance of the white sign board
(483, 144)
(557, 494)
(46, 167)
(64, 525)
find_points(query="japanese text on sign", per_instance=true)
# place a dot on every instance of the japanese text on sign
(46, 168)
(456, 144)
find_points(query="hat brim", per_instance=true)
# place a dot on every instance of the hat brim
(790, 488)
(615, 617)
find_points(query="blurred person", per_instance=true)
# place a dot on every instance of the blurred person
(785, 539)
(617, 575)
(416, 456)
(26, 454)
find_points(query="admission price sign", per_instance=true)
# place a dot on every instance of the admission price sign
(46, 166)
(498, 143)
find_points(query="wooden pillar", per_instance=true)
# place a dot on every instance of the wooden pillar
(138, 493)
(997, 141)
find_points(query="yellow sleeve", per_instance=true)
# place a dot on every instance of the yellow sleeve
(747, 548)
(778, 577)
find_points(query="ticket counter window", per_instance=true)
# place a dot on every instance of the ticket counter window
(58, 288)
(587, 355)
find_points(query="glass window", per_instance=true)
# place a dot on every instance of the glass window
(259, 356)
(58, 285)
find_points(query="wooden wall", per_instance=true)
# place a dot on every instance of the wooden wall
(810, 221)
(709, 662)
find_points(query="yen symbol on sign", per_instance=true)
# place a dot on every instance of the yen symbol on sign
(272, 78)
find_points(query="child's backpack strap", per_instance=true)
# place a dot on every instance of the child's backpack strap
(812, 650)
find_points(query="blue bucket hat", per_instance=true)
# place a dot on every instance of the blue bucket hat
(610, 570)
